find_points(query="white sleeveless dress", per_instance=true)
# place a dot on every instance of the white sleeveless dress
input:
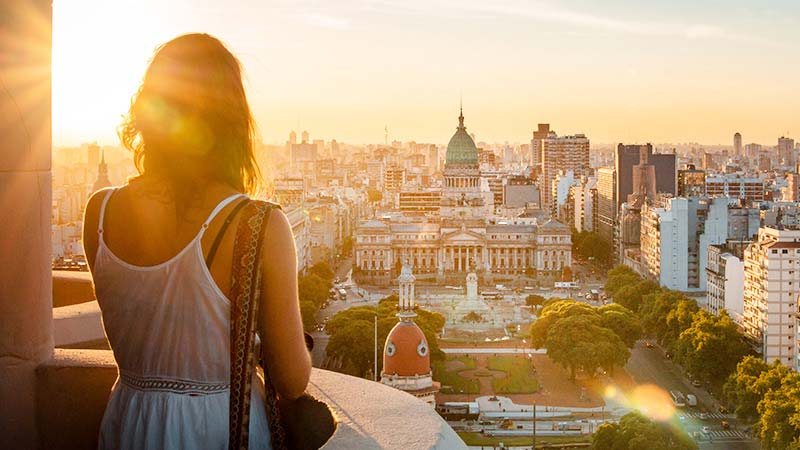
(169, 328)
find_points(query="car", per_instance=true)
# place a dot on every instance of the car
(668, 355)
(725, 425)
(706, 429)
(703, 416)
(649, 345)
(696, 383)
(723, 409)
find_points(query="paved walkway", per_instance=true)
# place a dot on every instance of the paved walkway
(500, 351)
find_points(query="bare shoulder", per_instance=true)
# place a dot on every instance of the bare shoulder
(93, 205)
(91, 223)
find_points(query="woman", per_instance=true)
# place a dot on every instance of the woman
(160, 286)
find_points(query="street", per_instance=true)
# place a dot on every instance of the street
(649, 366)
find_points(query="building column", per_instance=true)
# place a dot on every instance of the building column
(26, 307)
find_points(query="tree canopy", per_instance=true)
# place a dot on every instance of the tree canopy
(351, 334)
(636, 432)
(711, 347)
(582, 337)
(534, 300)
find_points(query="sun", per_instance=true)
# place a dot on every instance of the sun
(100, 52)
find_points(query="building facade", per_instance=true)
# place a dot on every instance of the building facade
(771, 289)
(562, 153)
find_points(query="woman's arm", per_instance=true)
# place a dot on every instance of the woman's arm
(280, 325)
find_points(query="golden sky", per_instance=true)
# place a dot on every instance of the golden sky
(617, 70)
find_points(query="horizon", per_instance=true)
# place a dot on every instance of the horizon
(662, 73)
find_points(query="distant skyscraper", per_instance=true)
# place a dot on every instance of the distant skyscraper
(562, 153)
(606, 223)
(737, 144)
(292, 138)
(628, 156)
(93, 155)
(304, 137)
(102, 175)
(536, 143)
(752, 150)
(786, 151)
(691, 182)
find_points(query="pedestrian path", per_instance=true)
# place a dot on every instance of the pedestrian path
(728, 434)
(709, 416)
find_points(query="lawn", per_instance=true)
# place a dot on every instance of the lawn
(451, 378)
(519, 379)
(476, 439)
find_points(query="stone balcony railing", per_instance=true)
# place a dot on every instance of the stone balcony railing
(72, 389)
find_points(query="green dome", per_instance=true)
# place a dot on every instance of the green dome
(461, 149)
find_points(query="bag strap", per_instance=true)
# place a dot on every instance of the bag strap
(244, 295)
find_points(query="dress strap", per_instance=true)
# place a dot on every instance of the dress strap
(219, 208)
(103, 210)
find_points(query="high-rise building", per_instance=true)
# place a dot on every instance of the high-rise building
(793, 187)
(771, 289)
(93, 155)
(102, 175)
(691, 182)
(737, 144)
(628, 156)
(750, 189)
(675, 237)
(536, 143)
(752, 150)
(292, 138)
(786, 151)
(725, 279)
(304, 138)
(562, 153)
(583, 198)
(606, 222)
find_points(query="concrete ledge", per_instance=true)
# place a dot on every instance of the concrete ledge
(71, 288)
(77, 324)
(73, 389)
(374, 416)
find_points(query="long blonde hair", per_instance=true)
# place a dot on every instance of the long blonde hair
(189, 123)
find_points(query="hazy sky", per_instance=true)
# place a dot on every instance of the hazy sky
(617, 70)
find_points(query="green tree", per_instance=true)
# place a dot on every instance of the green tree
(351, 334)
(347, 246)
(308, 313)
(534, 300)
(474, 317)
(631, 296)
(579, 342)
(621, 321)
(679, 318)
(313, 289)
(323, 270)
(711, 347)
(551, 313)
(749, 383)
(655, 308)
(374, 195)
(779, 427)
(636, 432)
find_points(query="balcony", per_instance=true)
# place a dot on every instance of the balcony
(73, 386)
(351, 412)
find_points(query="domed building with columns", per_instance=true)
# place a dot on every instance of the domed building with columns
(466, 236)
(406, 354)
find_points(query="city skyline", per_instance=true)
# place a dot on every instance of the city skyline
(673, 72)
